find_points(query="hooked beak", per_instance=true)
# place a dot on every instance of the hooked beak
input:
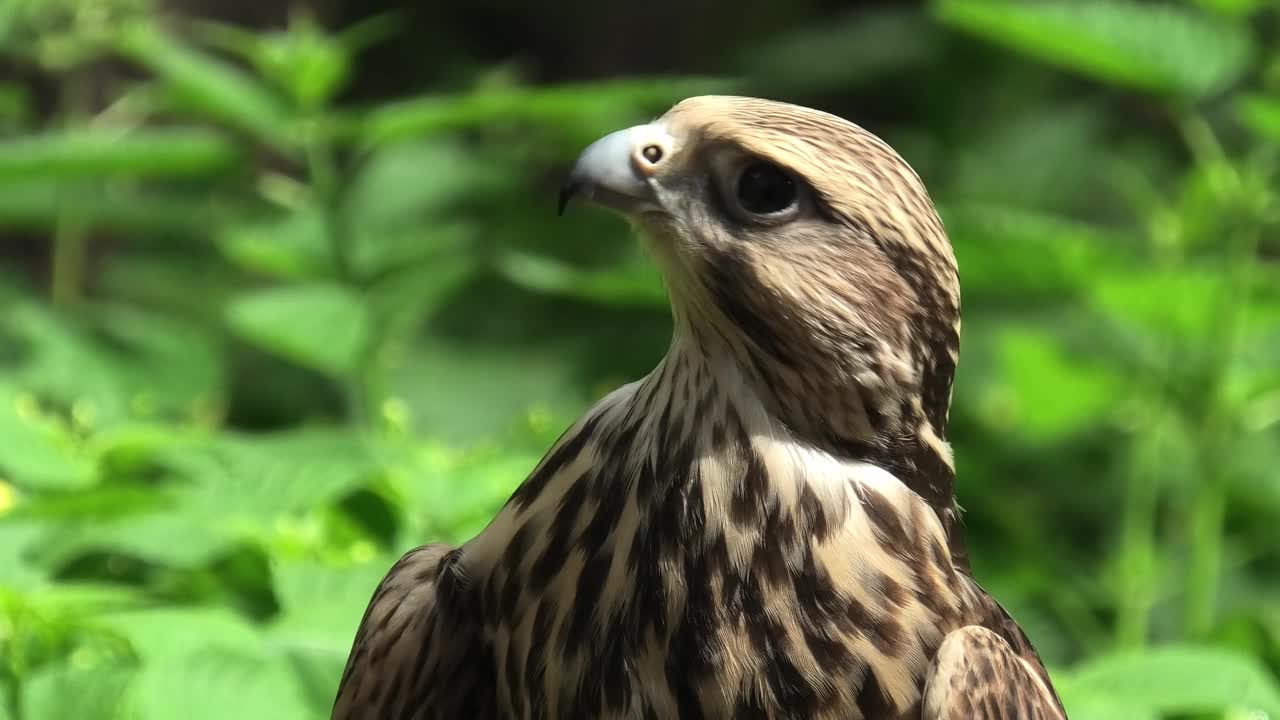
(617, 170)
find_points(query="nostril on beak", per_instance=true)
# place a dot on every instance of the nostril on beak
(617, 171)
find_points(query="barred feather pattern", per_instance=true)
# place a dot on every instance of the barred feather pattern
(763, 527)
(676, 554)
(976, 674)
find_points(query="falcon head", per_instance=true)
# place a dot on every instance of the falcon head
(806, 250)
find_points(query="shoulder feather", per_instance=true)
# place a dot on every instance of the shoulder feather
(406, 656)
(976, 675)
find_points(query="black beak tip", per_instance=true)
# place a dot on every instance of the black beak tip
(567, 192)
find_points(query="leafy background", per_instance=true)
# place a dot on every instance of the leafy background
(282, 294)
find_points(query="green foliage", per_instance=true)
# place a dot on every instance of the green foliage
(1175, 679)
(318, 326)
(1146, 46)
(265, 325)
(95, 154)
(199, 84)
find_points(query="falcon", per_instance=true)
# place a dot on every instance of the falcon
(765, 526)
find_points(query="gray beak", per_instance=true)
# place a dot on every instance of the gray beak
(616, 171)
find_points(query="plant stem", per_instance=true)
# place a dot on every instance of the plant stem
(1205, 562)
(360, 386)
(69, 234)
(1206, 523)
(69, 242)
(327, 186)
(1137, 551)
(1136, 587)
(1208, 513)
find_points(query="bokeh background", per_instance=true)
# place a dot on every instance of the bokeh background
(283, 294)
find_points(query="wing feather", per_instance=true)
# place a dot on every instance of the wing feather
(408, 661)
(976, 675)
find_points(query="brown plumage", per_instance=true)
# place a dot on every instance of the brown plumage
(764, 526)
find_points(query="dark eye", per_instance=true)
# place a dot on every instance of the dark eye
(765, 189)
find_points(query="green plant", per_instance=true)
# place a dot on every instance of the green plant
(260, 332)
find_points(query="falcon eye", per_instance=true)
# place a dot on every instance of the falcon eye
(764, 189)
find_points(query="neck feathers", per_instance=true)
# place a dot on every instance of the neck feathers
(705, 418)
(679, 508)
(855, 398)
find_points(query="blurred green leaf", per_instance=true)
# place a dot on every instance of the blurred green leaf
(1234, 8)
(405, 204)
(424, 248)
(465, 392)
(160, 633)
(61, 34)
(41, 633)
(206, 85)
(67, 691)
(321, 605)
(1261, 114)
(1179, 679)
(1044, 392)
(128, 363)
(321, 609)
(409, 181)
(589, 108)
(207, 679)
(318, 675)
(1153, 47)
(83, 601)
(16, 568)
(321, 326)
(190, 282)
(1011, 252)
(842, 52)
(168, 363)
(204, 659)
(170, 538)
(403, 300)
(293, 247)
(102, 152)
(15, 107)
(1252, 462)
(1165, 302)
(637, 284)
(229, 490)
(99, 502)
(42, 203)
(451, 495)
(1024, 159)
(304, 61)
(1083, 706)
(38, 451)
(253, 480)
